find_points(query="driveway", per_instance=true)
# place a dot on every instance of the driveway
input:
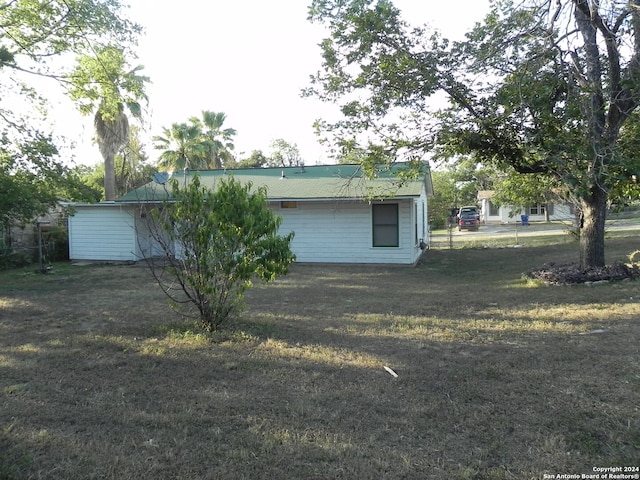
(534, 229)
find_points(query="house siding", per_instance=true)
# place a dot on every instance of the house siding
(341, 232)
(149, 236)
(102, 233)
(422, 205)
(326, 231)
(561, 212)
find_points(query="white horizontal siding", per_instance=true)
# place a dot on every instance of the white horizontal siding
(341, 232)
(325, 231)
(561, 212)
(102, 233)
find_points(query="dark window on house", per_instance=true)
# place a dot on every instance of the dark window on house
(288, 204)
(536, 210)
(385, 225)
(494, 210)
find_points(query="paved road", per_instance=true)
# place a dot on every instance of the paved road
(535, 229)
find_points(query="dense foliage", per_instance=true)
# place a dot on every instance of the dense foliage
(34, 180)
(103, 84)
(536, 87)
(38, 42)
(199, 144)
(216, 243)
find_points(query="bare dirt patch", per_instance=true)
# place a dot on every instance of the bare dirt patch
(497, 378)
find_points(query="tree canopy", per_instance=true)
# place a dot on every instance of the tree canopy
(33, 180)
(103, 84)
(38, 41)
(284, 154)
(536, 87)
(281, 154)
(197, 144)
(132, 168)
(257, 159)
(40, 38)
(218, 140)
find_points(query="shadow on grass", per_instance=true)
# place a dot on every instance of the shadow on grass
(271, 408)
(496, 379)
(14, 458)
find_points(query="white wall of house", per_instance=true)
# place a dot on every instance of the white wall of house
(336, 231)
(507, 214)
(148, 234)
(102, 233)
(331, 231)
(562, 212)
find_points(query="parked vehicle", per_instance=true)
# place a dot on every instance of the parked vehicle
(469, 208)
(468, 221)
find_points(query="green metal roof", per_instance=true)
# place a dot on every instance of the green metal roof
(301, 183)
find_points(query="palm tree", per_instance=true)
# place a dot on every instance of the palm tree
(219, 140)
(111, 134)
(182, 147)
(104, 80)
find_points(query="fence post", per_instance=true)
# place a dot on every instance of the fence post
(40, 259)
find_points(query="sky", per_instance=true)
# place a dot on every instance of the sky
(249, 59)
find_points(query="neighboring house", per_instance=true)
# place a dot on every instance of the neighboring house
(338, 216)
(23, 244)
(492, 213)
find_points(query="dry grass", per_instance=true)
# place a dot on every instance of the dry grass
(498, 378)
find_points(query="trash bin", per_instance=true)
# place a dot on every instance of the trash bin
(525, 220)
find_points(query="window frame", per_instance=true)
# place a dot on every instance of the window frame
(378, 223)
(537, 209)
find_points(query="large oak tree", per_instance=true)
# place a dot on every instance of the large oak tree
(538, 86)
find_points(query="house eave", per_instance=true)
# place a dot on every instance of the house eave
(129, 203)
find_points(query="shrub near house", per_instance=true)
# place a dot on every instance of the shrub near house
(215, 243)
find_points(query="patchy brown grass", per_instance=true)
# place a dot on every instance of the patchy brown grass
(498, 378)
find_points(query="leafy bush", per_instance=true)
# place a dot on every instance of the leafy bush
(216, 243)
(56, 241)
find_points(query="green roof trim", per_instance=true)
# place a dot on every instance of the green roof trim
(303, 182)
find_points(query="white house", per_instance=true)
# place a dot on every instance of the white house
(337, 214)
(493, 213)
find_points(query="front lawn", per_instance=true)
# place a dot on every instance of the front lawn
(497, 378)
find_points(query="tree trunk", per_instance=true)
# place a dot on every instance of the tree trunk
(110, 135)
(594, 212)
(109, 178)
